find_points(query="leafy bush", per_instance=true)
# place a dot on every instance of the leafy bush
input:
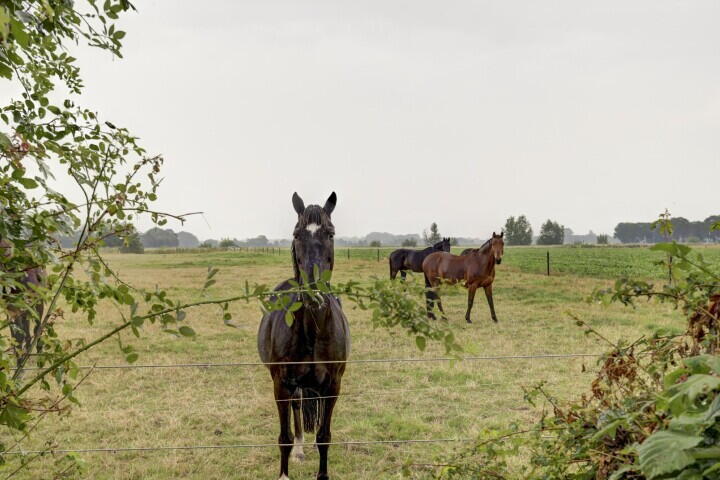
(409, 242)
(603, 239)
(376, 244)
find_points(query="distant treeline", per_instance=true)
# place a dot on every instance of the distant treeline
(153, 238)
(684, 231)
(168, 238)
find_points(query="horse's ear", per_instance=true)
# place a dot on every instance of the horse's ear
(502, 234)
(494, 235)
(298, 204)
(330, 203)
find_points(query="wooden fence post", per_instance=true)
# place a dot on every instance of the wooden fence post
(348, 254)
(378, 254)
(548, 263)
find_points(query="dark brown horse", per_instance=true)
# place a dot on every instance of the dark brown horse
(319, 333)
(24, 306)
(404, 259)
(475, 268)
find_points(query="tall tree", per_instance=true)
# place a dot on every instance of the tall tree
(551, 233)
(434, 235)
(518, 231)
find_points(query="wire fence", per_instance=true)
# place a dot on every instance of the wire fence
(542, 356)
(121, 449)
(232, 446)
(560, 260)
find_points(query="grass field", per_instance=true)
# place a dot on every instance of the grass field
(234, 405)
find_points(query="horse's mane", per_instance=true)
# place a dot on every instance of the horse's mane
(485, 245)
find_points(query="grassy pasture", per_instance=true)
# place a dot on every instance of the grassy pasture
(234, 405)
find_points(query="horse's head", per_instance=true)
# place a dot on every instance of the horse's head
(442, 246)
(497, 247)
(313, 245)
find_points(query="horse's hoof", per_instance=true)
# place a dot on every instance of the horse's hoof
(283, 477)
(495, 320)
(323, 477)
(298, 454)
(468, 320)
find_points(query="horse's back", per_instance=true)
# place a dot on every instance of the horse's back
(444, 265)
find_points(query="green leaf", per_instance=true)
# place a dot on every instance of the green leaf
(664, 452)
(620, 473)
(680, 395)
(131, 357)
(186, 331)
(28, 183)
(21, 36)
(703, 363)
(420, 342)
(608, 430)
(289, 318)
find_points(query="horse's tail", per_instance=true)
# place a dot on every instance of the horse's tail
(312, 408)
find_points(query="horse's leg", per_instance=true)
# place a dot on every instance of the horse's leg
(324, 436)
(297, 450)
(403, 274)
(435, 288)
(40, 309)
(471, 299)
(439, 302)
(282, 400)
(429, 298)
(393, 272)
(488, 294)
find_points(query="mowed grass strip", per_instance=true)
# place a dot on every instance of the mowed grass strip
(234, 405)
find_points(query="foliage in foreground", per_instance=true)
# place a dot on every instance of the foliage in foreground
(652, 412)
(46, 137)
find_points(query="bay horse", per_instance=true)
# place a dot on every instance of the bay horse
(319, 333)
(404, 259)
(475, 268)
(22, 313)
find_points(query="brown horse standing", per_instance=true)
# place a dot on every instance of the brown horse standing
(476, 268)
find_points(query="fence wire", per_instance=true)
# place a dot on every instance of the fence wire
(230, 446)
(351, 361)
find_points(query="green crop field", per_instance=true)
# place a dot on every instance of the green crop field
(233, 405)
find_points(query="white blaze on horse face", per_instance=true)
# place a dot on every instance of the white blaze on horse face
(312, 228)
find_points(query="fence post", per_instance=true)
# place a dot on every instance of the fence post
(378, 254)
(548, 263)
(348, 254)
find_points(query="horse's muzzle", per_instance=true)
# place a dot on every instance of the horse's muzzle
(498, 261)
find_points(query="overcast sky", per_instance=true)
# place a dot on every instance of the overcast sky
(459, 112)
